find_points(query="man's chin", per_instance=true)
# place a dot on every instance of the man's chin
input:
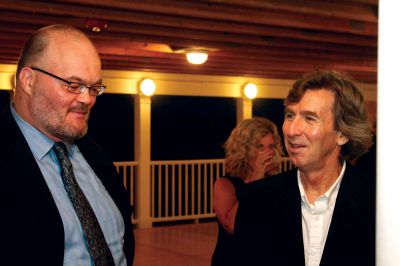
(70, 135)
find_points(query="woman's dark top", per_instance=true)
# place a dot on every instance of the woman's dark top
(225, 248)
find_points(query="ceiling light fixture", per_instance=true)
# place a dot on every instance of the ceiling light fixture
(196, 57)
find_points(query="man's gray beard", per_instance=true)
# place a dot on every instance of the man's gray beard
(70, 137)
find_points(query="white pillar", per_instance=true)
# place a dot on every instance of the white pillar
(244, 109)
(388, 145)
(142, 107)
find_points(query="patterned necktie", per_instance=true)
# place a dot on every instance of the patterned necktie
(98, 247)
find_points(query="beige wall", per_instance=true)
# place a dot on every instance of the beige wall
(127, 82)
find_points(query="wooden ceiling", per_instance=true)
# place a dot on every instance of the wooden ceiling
(256, 38)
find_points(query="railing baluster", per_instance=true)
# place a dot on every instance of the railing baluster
(205, 199)
(192, 191)
(173, 190)
(153, 190)
(193, 177)
(159, 191)
(166, 190)
(180, 190)
(187, 189)
(211, 186)
(199, 189)
(132, 184)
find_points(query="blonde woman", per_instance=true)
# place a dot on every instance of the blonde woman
(252, 152)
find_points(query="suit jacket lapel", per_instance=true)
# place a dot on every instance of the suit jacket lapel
(27, 195)
(21, 162)
(293, 219)
(347, 216)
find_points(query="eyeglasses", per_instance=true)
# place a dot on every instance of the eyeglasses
(76, 87)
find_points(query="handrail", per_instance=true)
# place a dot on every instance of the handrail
(180, 189)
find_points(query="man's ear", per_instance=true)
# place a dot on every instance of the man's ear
(27, 79)
(341, 139)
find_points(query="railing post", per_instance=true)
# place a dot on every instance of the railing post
(142, 107)
(244, 109)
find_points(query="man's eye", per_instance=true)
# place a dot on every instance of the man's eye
(74, 86)
(289, 116)
(310, 118)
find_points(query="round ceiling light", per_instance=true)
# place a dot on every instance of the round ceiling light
(196, 57)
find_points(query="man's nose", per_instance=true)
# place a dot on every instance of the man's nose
(294, 127)
(85, 97)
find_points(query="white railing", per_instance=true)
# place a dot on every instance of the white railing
(180, 190)
(184, 189)
(128, 171)
(286, 165)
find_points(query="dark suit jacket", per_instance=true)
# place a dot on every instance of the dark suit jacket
(31, 229)
(268, 224)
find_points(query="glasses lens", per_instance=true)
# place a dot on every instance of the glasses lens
(78, 88)
(97, 90)
(74, 87)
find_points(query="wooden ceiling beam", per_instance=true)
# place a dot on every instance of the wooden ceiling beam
(261, 73)
(255, 51)
(232, 39)
(320, 8)
(293, 64)
(38, 19)
(145, 35)
(317, 47)
(265, 13)
(242, 57)
(262, 32)
(364, 2)
(301, 36)
(241, 71)
(242, 16)
(123, 45)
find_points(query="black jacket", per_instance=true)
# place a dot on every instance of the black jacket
(31, 228)
(268, 226)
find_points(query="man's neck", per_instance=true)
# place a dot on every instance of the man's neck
(317, 182)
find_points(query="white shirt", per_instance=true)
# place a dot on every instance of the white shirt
(316, 219)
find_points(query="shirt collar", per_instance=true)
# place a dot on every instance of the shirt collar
(330, 194)
(39, 143)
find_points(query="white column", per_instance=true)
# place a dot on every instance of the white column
(244, 109)
(143, 156)
(388, 145)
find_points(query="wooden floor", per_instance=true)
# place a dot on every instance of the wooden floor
(186, 245)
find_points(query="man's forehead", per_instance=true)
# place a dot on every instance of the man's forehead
(314, 100)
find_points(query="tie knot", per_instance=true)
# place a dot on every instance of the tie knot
(60, 150)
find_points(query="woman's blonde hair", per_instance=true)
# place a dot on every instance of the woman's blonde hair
(239, 148)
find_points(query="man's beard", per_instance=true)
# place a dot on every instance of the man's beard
(54, 122)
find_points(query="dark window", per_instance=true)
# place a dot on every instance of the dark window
(190, 127)
(111, 125)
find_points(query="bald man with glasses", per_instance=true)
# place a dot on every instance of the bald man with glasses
(63, 203)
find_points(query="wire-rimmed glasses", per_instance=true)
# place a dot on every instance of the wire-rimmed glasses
(76, 87)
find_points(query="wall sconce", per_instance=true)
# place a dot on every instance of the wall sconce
(250, 91)
(196, 57)
(147, 87)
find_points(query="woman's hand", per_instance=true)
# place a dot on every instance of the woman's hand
(263, 164)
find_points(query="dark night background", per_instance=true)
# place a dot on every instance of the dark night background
(181, 128)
